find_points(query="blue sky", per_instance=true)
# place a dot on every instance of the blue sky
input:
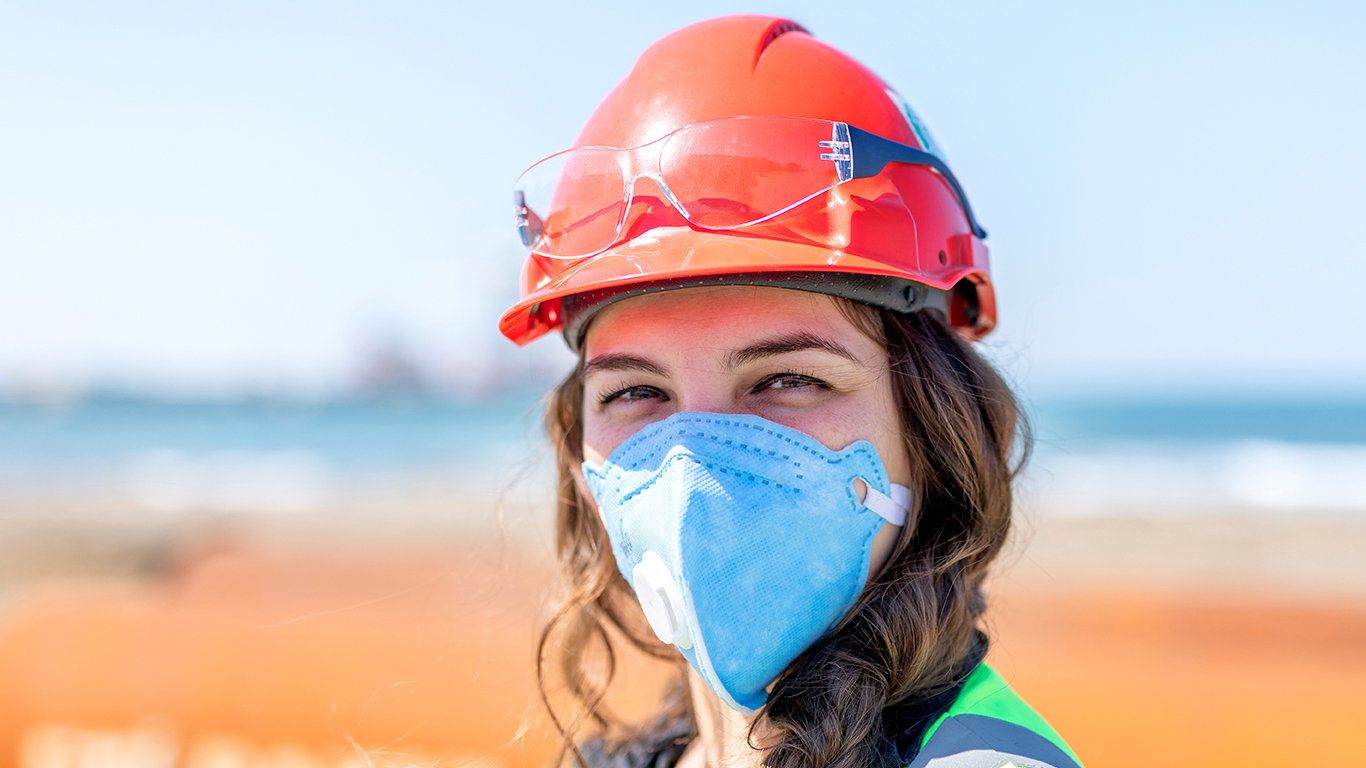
(203, 197)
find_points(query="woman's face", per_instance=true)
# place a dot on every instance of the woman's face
(788, 356)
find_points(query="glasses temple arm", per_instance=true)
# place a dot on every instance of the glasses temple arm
(872, 153)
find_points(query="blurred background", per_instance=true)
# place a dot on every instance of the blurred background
(271, 484)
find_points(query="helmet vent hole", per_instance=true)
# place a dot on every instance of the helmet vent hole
(943, 259)
(779, 29)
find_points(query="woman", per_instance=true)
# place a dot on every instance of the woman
(781, 464)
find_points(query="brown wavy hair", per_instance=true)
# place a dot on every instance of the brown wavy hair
(912, 628)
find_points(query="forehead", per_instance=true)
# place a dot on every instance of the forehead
(717, 316)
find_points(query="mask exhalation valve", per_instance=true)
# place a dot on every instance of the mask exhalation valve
(660, 599)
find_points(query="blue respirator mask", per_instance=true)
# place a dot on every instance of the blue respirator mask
(745, 541)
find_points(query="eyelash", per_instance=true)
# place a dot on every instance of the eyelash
(609, 397)
(806, 377)
(763, 384)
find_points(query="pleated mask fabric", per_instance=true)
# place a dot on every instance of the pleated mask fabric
(744, 540)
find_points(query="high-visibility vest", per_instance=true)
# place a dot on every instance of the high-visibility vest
(990, 726)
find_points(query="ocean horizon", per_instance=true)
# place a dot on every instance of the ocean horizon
(1156, 455)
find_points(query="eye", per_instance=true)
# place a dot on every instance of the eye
(790, 381)
(632, 394)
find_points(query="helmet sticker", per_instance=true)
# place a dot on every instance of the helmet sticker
(921, 132)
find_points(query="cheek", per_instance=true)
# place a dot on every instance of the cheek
(871, 416)
(601, 436)
(889, 440)
(596, 447)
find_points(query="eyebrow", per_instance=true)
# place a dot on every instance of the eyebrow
(622, 362)
(778, 345)
(781, 345)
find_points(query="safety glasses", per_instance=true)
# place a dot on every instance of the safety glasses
(719, 174)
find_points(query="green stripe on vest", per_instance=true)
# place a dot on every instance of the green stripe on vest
(987, 694)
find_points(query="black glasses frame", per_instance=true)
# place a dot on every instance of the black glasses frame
(869, 153)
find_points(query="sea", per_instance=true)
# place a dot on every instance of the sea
(266, 455)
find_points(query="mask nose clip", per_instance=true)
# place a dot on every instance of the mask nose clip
(660, 599)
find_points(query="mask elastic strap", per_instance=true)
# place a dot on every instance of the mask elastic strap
(893, 508)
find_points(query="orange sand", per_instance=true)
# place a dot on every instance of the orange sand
(1135, 679)
(270, 656)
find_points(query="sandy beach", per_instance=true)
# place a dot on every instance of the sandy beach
(396, 637)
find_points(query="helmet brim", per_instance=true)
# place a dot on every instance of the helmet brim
(671, 255)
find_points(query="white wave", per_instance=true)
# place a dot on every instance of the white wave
(286, 481)
(1250, 474)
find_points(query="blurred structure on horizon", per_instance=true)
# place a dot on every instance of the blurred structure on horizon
(205, 202)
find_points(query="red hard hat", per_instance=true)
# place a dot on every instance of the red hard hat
(899, 240)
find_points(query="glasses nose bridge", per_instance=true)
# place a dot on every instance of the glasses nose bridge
(643, 162)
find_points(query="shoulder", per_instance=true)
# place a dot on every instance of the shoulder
(990, 726)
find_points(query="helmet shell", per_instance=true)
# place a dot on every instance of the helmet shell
(904, 223)
(742, 65)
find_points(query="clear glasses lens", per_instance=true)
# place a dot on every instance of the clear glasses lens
(729, 173)
(571, 205)
(723, 173)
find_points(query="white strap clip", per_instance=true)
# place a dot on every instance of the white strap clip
(892, 508)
